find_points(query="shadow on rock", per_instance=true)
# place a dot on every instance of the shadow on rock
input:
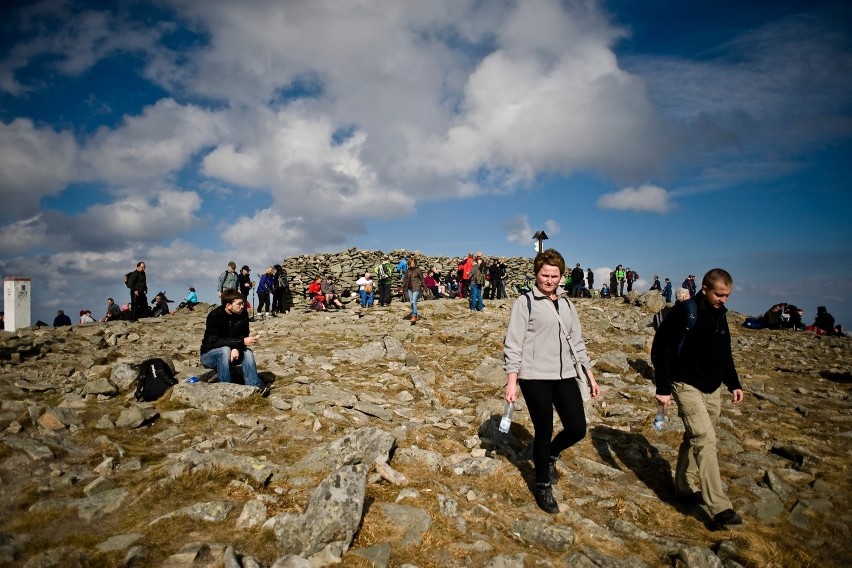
(842, 378)
(643, 368)
(515, 446)
(634, 451)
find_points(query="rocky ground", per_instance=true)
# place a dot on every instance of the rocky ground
(379, 447)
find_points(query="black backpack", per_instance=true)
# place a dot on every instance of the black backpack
(154, 379)
(282, 282)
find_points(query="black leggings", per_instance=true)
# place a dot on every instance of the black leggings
(541, 398)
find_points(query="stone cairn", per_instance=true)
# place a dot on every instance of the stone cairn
(349, 265)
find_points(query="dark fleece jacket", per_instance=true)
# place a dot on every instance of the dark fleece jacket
(705, 360)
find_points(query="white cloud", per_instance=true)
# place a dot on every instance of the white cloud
(518, 229)
(166, 214)
(643, 198)
(23, 235)
(34, 162)
(552, 228)
(152, 145)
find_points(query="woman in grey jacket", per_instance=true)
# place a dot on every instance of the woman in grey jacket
(539, 360)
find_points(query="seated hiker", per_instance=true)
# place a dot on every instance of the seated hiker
(112, 310)
(161, 306)
(190, 301)
(61, 319)
(227, 341)
(314, 288)
(431, 283)
(605, 292)
(86, 316)
(791, 317)
(329, 290)
(823, 323)
(772, 317)
(366, 289)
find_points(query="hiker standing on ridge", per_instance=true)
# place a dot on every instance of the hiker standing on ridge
(138, 284)
(691, 362)
(228, 279)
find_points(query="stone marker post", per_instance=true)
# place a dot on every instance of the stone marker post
(17, 301)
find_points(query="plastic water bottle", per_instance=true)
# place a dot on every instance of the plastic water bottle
(192, 379)
(506, 421)
(660, 418)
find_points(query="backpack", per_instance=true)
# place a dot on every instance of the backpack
(660, 316)
(154, 379)
(692, 309)
(368, 288)
(382, 271)
(282, 280)
(127, 278)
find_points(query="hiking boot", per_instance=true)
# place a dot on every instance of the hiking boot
(413, 319)
(552, 472)
(264, 391)
(727, 517)
(544, 498)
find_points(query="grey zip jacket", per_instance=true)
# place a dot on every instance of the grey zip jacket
(535, 347)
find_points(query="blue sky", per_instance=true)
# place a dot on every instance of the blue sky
(670, 137)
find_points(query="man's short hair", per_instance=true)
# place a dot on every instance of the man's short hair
(551, 257)
(716, 275)
(681, 294)
(232, 264)
(229, 295)
(110, 300)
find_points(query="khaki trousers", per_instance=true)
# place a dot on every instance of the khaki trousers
(697, 462)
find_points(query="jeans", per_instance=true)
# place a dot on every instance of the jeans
(414, 296)
(542, 397)
(476, 304)
(366, 299)
(220, 360)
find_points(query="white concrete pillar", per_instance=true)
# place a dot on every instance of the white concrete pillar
(17, 299)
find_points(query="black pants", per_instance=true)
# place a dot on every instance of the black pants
(139, 305)
(541, 398)
(385, 294)
(262, 301)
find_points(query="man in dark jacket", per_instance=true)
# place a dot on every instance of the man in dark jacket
(577, 281)
(691, 361)
(245, 281)
(227, 341)
(138, 284)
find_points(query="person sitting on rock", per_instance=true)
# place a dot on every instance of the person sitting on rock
(605, 292)
(61, 319)
(190, 301)
(772, 317)
(112, 310)
(823, 323)
(314, 288)
(366, 289)
(227, 342)
(329, 290)
(161, 307)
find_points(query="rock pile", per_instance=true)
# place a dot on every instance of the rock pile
(379, 446)
(349, 265)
